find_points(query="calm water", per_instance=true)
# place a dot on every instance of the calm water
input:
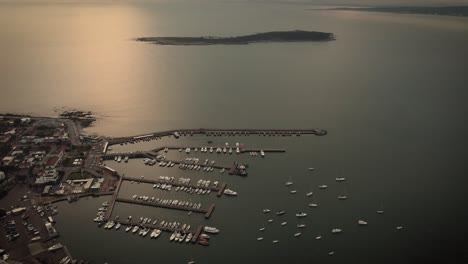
(391, 92)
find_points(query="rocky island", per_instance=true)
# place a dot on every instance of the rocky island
(273, 36)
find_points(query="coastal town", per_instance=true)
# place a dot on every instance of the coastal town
(48, 160)
(43, 161)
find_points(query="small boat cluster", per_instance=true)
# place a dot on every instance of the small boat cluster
(227, 149)
(181, 237)
(175, 225)
(303, 214)
(255, 153)
(119, 158)
(101, 212)
(170, 202)
(162, 186)
(192, 164)
(192, 190)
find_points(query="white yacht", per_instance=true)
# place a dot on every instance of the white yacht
(297, 234)
(342, 197)
(262, 229)
(313, 205)
(289, 182)
(173, 236)
(318, 237)
(275, 241)
(117, 226)
(293, 191)
(309, 194)
(284, 223)
(262, 153)
(336, 230)
(270, 220)
(188, 238)
(301, 214)
(323, 186)
(362, 222)
(135, 229)
(187, 150)
(230, 151)
(331, 253)
(259, 238)
(119, 159)
(128, 228)
(399, 227)
(230, 192)
(266, 211)
(210, 229)
(340, 179)
(311, 169)
(380, 211)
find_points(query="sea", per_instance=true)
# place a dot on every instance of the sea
(391, 91)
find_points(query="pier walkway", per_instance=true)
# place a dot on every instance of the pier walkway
(207, 212)
(218, 132)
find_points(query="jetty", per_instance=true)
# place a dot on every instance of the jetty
(216, 132)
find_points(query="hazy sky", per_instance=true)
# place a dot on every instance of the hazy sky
(318, 2)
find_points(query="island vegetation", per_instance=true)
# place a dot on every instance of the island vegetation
(424, 10)
(274, 36)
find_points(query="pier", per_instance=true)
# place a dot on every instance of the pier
(154, 153)
(176, 184)
(131, 155)
(209, 211)
(221, 190)
(114, 197)
(196, 233)
(218, 132)
(168, 206)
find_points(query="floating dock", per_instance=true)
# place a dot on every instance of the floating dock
(221, 190)
(197, 234)
(209, 211)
